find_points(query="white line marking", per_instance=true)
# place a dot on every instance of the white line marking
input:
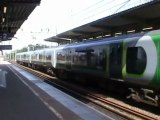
(3, 78)
(51, 108)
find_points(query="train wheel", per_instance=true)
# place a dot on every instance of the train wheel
(50, 71)
(62, 74)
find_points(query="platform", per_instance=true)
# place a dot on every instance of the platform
(30, 98)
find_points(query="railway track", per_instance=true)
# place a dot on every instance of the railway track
(126, 112)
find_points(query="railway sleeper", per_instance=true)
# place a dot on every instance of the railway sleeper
(145, 96)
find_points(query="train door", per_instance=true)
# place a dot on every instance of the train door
(30, 57)
(68, 58)
(115, 60)
(106, 60)
(103, 59)
(43, 57)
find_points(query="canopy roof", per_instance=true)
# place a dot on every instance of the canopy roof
(12, 15)
(134, 19)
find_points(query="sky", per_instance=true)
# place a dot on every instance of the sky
(52, 17)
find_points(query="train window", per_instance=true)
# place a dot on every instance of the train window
(102, 59)
(81, 56)
(75, 58)
(82, 59)
(136, 60)
(40, 56)
(90, 58)
(48, 55)
(115, 54)
(60, 56)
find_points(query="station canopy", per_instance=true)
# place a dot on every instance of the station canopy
(136, 19)
(12, 15)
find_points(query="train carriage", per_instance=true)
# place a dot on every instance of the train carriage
(38, 59)
(131, 59)
(24, 58)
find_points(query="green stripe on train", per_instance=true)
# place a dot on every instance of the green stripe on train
(156, 79)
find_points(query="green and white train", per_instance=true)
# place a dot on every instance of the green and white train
(129, 60)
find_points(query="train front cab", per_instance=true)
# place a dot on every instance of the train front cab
(140, 63)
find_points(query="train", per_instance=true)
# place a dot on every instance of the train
(129, 61)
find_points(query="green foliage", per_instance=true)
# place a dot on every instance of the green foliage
(32, 48)
(22, 50)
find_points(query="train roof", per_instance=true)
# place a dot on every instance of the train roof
(106, 40)
(112, 39)
(39, 50)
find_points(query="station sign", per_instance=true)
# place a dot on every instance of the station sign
(5, 36)
(5, 47)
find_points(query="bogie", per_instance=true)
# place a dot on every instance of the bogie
(145, 95)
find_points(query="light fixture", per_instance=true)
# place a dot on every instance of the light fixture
(118, 33)
(3, 19)
(91, 38)
(99, 37)
(131, 31)
(107, 35)
(5, 9)
(148, 28)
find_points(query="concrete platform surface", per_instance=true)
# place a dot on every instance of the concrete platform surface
(24, 96)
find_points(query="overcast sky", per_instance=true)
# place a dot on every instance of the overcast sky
(52, 17)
